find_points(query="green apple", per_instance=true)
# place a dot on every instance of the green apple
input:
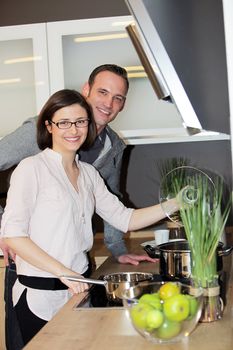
(154, 319)
(139, 313)
(176, 308)
(152, 299)
(169, 329)
(193, 305)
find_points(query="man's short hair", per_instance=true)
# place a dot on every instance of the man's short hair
(120, 71)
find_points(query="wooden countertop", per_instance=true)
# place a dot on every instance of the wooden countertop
(105, 329)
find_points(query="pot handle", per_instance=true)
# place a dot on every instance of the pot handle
(85, 280)
(225, 251)
(152, 251)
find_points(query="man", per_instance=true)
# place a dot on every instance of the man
(106, 91)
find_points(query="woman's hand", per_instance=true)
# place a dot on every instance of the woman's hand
(7, 252)
(187, 197)
(75, 287)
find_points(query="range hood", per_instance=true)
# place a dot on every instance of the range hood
(181, 45)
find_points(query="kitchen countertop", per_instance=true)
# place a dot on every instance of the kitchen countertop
(92, 329)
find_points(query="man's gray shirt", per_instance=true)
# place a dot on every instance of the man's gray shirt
(22, 143)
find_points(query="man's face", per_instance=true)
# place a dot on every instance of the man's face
(106, 96)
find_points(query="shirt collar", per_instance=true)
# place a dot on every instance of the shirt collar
(56, 155)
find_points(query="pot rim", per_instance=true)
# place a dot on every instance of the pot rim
(164, 247)
(144, 275)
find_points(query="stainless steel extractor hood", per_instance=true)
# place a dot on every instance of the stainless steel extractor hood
(181, 45)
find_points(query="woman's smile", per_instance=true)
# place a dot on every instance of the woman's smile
(72, 139)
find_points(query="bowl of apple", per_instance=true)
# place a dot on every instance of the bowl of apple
(163, 312)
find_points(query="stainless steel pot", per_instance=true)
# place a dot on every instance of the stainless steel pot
(175, 258)
(116, 283)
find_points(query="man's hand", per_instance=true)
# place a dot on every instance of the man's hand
(7, 252)
(134, 259)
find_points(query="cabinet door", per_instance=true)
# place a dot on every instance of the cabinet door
(77, 47)
(24, 85)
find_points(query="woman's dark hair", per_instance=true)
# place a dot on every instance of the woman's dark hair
(120, 71)
(58, 100)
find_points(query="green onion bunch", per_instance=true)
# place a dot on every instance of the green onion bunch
(204, 224)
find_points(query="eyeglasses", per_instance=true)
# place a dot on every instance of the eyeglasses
(65, 124)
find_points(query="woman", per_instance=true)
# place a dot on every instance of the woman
(50, 203)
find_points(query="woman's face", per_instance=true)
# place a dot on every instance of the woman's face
(71, 139)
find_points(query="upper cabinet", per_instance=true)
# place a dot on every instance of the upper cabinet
(24, 84)
(184, 43)
(62, 54)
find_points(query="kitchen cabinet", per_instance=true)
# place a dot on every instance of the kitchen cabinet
(51, 56)
(228, 17)
(145, 119)
(2, 305)
(24, 85)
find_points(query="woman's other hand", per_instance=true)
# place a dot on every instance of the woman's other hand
(7, 252)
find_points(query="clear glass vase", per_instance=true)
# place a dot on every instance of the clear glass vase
(207, 279)
(212, 309)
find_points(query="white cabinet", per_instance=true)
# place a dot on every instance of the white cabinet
(24, 85)
(228, 20)
(39, 59)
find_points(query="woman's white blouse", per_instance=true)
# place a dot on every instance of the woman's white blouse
(43, 204)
